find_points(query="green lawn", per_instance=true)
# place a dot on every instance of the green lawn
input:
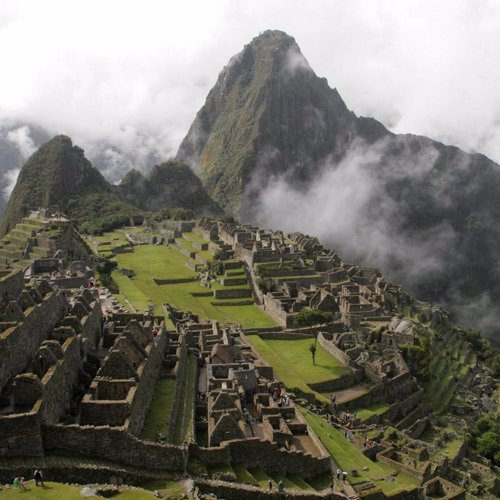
(158, 416)
(292, 362)
(159, 261)
(347, 456)
(57, 491)
(369, 411)
(184, 419)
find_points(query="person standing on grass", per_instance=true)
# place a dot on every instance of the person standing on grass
(270, 484)
(21, 484)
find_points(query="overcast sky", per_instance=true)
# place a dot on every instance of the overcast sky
(134, 73)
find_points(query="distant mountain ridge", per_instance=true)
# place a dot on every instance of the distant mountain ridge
(58, 174)
(170, 184)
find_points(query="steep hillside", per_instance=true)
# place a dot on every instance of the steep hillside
(275, 144)
(268, 114)
(51, 176)
(171, 184)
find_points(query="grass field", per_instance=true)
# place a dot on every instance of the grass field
(158, 261)
(292, 362)
(369, 411)
(158, 416)
(348, 457)
(57, 491)
(184, 419)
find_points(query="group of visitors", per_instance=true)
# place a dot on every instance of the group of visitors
(19, 483)
(281, 486)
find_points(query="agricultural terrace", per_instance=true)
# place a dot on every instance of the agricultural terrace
(292, 362)
(159, 261)
(348, 457)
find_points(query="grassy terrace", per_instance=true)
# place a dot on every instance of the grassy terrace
(184, 419)
(348, 457)
(158, 416)
(58, 491)
(369, 411)
(292, 362)
(452, 360)
(159, 261)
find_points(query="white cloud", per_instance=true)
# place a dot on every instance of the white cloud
(134, 73)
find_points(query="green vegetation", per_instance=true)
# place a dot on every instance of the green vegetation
(158, 261)
(172, 490)
(158, 416)
(291, 363)
(370, 411)
(96, 213)
(58, 491)
(171, 184)
(486, 438)
(309, 317)
(184, 420)
(55, 173)
(348, 457)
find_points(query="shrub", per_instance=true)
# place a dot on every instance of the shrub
(309, 317)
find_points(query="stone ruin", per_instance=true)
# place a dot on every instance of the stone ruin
(47, 346)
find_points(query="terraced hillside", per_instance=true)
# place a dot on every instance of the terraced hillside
(450, 366)
(168, 274)
(29, 239)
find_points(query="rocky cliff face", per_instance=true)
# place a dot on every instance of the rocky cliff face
(426, 213)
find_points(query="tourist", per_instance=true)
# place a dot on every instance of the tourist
(15, 483)
(344, 476)
(281, 486)
(270, 484)
(21, 484)
(338, 474)
(39, 477)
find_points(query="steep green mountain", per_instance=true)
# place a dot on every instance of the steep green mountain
(426, 213)
(59, 174)
(268, 114)
(171, 184)
(51, 176)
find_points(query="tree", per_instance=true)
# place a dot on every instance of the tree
(313, 349)
(309, 317)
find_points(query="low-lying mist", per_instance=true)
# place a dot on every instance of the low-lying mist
(349, 206)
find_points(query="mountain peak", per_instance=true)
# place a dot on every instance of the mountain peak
(267, 115)
(54, 173)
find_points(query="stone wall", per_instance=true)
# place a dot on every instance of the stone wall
(344, 381)
(92, 324)
(145, 387)
(19, 343)
(331, 348)
(273, 308)
(232, 293)
(165, 281)
(233, 491)
(115, 444)
(263, 455)
(68, 283)
(20, 434)
(11, 285)
(58, 382)
(181, 374)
